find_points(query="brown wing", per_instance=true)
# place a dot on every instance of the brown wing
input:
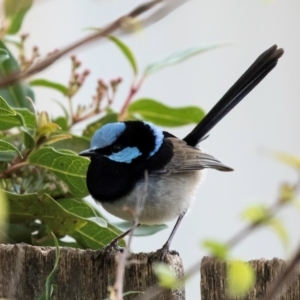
(187, 158)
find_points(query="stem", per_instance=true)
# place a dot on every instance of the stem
(43, 64)
(13, 168)
(133, 90)
(82, 118)
(96, 111)
(89, 115)
(251, 227)
(71, 110)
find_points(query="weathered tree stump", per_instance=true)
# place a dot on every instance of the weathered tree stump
(24, 270)
(213, 280)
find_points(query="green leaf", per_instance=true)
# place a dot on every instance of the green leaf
(95, 237)
(75, 144)
(255, 213)
(91, 235)
(78, 207)
(28, 139)
(3, 56)
(30, 207)
(57, 138)
(13, 39)
(15, 95)
(280, 230)
(62, 122)
(49, 84)
(64, 217)
(15, 11)
(7, 156)
(166, 277)
(91, 128)
(18, 233)
(69, 168)
(8, 147)
(178, 57)
(217, 249)
(99, 221)
(143, 230)
(5, 109)
(47, 129)
(160, 114)
(126, 51)
(66, 151)
(23, 117)
(9, 122)
(50, 277)
(28, 117)
(241, 278)
(3, 166)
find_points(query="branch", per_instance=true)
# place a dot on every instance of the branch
(109, 29)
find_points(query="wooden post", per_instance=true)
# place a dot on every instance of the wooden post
(24, 270)
(213, 280)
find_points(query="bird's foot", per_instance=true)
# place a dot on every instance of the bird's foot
(164, 250)
(112, 246)
(107, 252)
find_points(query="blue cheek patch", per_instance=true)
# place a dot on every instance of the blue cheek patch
(159, 137)
(126, 155)
(107, 135)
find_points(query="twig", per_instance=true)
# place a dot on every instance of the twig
(13, 168)
(118, 286)
(251, 227)
(109, 29)
(133, 90)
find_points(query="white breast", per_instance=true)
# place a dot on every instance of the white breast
(168, 196)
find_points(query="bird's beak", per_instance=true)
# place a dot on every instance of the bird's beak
(88, 152)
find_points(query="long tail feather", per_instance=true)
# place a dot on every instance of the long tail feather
(249, 80)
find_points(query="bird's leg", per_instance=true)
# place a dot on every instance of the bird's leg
(114, 243)
(165, 248)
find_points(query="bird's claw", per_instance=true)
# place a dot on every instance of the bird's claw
(108, 248)
(113, 245)
(106, 252)
(162, 252)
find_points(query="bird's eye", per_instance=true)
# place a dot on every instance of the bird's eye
(116, 148)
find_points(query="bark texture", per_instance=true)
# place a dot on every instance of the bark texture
(24, 270)
(213, 280)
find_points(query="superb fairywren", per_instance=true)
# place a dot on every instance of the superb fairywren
(121, 152)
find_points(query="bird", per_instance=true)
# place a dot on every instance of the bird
(121, 152)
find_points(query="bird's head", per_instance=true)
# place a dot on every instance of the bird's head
(126, 142)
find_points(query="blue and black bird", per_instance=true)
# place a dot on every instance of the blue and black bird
(121, 152)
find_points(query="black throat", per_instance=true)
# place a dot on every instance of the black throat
(108, 180)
